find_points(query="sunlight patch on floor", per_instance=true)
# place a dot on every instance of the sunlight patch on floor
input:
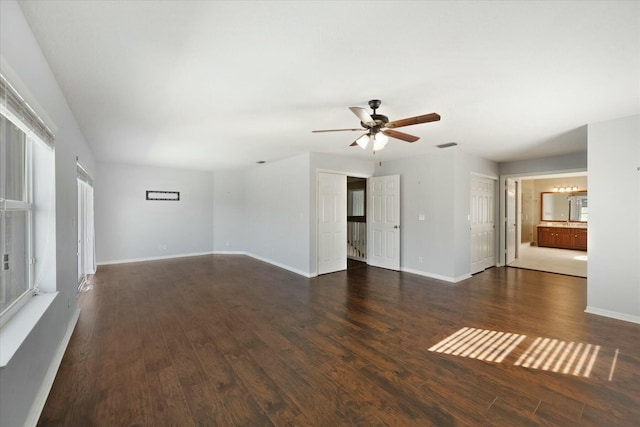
(558, 356)
(546, 354)
(482, 344)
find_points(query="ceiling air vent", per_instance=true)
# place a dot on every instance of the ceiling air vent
(447, 145)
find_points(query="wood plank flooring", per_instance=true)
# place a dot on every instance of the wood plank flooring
(226, 340)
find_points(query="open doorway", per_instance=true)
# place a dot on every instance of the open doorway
(342, 222)
(375, 229)
(356, 222)
(553, 218)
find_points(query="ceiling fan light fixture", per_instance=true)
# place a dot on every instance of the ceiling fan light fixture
(379, 129)
(363, 141)
(379, 141)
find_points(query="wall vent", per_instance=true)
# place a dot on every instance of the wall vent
(447, 145)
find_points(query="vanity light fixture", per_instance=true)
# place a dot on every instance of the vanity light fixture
(564, 189)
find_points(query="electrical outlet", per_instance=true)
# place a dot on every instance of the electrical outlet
(228, 244)
(420, 259)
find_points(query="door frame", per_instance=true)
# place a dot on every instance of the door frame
(516, 220)
(316, 226)
(496, 209)
(502, 254)
(329, 225)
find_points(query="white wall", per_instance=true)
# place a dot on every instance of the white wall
(276, 208)
(465, 165)
(613, 271)
(129, 227)
(25, 380)
(229, 217)
(426, 187)
(575, 162)
(437, 186)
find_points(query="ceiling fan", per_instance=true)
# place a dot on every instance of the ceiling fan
(379, 128)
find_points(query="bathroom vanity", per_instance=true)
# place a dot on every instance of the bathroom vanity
(564, 220)
(563, 236)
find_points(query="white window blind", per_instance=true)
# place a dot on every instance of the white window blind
(83, 175)
(18, 111)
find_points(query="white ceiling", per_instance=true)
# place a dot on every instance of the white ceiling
(220, 85)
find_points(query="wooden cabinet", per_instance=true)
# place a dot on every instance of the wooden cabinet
(563, 237)
(546, 237)
(580, 239)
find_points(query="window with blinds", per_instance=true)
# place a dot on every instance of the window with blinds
(26, 197)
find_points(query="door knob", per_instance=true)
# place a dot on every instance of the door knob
(396, 226)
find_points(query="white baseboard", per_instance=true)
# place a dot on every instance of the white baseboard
(461, 278)
(436, 276)
(47, 383)
(284, 266)
(613, 314)
(277, 264)
(158, 258)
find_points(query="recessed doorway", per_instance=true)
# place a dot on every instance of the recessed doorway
(356, 220)
(544, 207)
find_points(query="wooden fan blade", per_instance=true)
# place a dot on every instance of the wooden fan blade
(362, 115)
(336, 130)
(432, 117)
(353, 144)
(400, 135)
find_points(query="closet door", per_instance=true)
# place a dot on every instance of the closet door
(383, 222)
(482, 223)
(332, 222)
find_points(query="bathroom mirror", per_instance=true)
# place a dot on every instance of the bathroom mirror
(564, 206)
(578, 206)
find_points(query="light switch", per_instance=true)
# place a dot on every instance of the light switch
(421, 217)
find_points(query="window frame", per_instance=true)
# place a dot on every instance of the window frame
(25, 205)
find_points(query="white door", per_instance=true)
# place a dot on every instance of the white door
(510, 207)
(482, 224)
(332, 222)
(383, 222)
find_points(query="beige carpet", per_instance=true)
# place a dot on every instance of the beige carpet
(561, 261)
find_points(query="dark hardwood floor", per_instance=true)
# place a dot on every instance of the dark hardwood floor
(228, 340)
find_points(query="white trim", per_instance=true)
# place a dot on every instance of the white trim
(41, 398)
(613, 314)
(18, 85)
(126, 261)
(316, 214)
(18, 328)
(483, 175)
(567, 173)
(436, 276)
(341, 172)
(277, 264)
